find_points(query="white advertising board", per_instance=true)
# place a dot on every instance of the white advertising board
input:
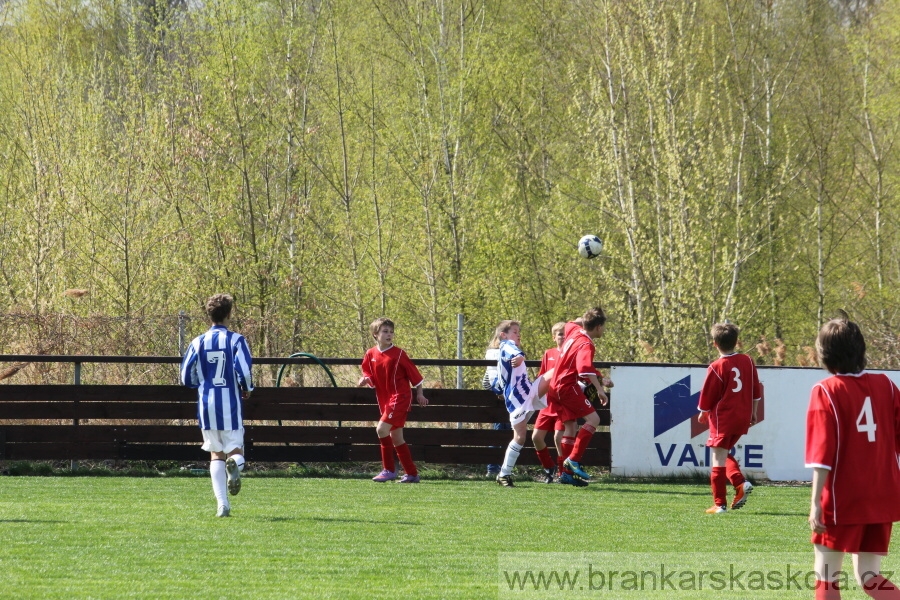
(654, 430)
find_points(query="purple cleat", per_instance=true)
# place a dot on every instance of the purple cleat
(385, 475)
(410, 479)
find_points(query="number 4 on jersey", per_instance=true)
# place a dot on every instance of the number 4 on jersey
(865, 422)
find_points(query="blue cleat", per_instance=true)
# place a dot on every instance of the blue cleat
(568, 479)
(576, 469)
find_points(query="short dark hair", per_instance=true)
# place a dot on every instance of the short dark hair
(725, 335)
(841, 347)
(593, 318)
(378, 323)
(218, 307)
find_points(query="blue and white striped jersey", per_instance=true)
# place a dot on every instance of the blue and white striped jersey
(517, 388)
(218, 363)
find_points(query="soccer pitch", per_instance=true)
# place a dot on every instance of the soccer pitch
(122, 537)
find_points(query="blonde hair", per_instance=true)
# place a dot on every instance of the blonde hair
(561, 326)
(503, 327)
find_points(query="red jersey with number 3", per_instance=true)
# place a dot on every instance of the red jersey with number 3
(852, 428)
(393, 374)
(728, 392)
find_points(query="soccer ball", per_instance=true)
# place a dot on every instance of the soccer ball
(590, 246)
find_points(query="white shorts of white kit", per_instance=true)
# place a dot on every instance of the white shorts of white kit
(217, 440)
(532, 403)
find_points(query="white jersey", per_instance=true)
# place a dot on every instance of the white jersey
(519, 392)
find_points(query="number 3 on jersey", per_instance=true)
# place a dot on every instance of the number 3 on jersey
(865, 422)
(218, 358)
(738, 384)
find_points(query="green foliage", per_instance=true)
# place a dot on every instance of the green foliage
(330, 162)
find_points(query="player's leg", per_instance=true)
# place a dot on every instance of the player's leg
(234, 465)
(538, 436)
(742, 487)
(827, 564)
(219, 483)
(582, 439)
(867, 569)
(867, 563)
(566, 442)
(403, 451)
(520, 434)
(388, 466)
(233, 447)
(212, 443)
(718, 479)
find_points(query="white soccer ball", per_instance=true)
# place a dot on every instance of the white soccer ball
(590, 246)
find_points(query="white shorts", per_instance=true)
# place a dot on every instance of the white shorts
(217, 440)
(532, 403)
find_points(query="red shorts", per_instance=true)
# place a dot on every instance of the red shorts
(869, 537)
(723, 441)
(570, 403)
(548, 421)
(395, 416)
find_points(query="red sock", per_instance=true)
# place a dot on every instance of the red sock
(581, 442)
(827, 590)
(406, 460)
(567, 444)
(733, 471)
(881, 589)
(387, 454)
(544, 457)
(717, 480)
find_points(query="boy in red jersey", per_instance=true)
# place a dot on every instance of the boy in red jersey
(852, 444)
(566, 397)
(547, 419)
(728, 401)
(390, 371)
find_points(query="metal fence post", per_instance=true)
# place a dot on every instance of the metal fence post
(74, 464)
(459, 354)
(182, 326)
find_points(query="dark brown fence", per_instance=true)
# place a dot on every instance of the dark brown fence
(282, 424)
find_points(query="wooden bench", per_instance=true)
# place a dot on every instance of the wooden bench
(282, 424)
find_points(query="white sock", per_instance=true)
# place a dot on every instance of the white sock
(219, 481)
(509, 461)
(239, 459)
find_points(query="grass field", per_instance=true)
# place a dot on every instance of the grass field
(123, 537)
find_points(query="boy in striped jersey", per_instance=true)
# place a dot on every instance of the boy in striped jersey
(218, 363)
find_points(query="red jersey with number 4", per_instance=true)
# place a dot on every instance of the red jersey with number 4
(728, 392)
(393, 374)
(852, 428)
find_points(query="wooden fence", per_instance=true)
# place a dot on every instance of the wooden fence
(282, 424)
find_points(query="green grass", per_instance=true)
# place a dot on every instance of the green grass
(124, 537)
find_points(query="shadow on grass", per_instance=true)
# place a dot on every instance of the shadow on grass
(642, 492)
(337, 520)
(36, 521)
